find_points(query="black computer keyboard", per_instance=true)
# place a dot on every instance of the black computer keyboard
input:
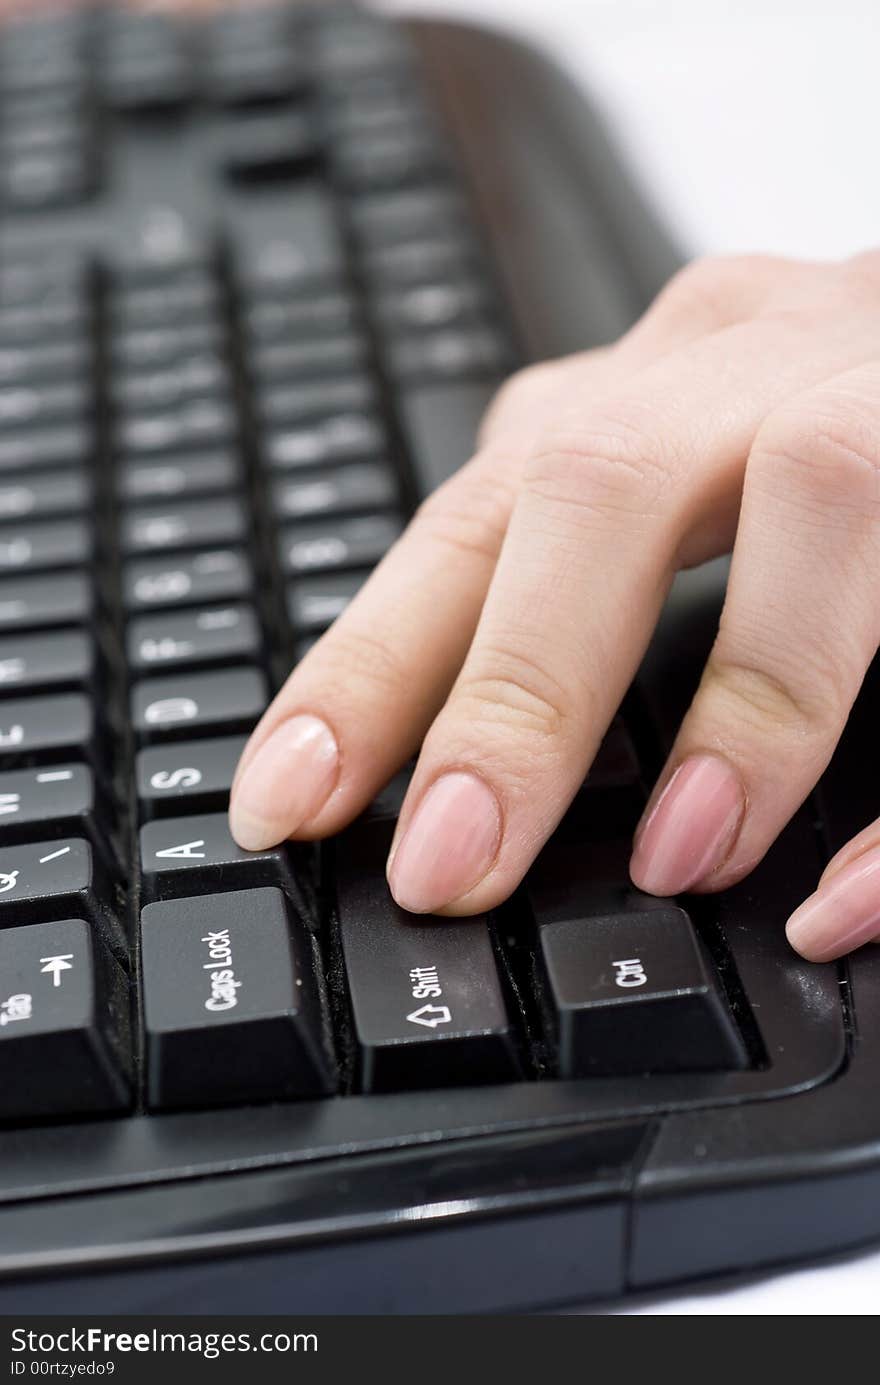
(260, 275)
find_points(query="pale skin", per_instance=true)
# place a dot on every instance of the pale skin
(499, 634)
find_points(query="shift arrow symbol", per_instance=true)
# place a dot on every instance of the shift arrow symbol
(56, 965)
(431, 1016)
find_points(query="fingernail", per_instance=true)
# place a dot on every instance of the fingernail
(692, 827)
(841, 915)
(450, 843)
(285, 784)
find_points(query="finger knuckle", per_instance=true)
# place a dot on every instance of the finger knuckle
(512, 691)
(755, 695)
(354, 659)
(526, 385)
(830, 443)
(618, 461)
(469, 514)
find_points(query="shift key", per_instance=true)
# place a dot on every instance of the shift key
(425, 993)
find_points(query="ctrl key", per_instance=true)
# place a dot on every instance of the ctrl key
(231, 1004)
(63, 1022)
(636, 992)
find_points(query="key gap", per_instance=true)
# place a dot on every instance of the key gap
(120, 775)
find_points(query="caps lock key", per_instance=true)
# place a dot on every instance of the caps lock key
(231, 1007)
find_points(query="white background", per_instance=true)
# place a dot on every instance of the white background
(755, 125)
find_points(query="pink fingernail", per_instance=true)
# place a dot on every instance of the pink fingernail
(841, 915)
(692, 827)
(286, 783)
(449, 845)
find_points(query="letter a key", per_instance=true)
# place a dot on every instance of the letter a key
(183, 856)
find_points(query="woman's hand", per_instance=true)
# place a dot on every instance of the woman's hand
(502, 630)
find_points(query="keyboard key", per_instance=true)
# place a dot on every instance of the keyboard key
(184, 774)
(249, 57)
(612, 798)
(188, 524)
(38, 878)
(41, 497)
(636, 992)
(60, 314)
(379, 109)
(146, 66)
(24, 281)
(181, 855)
(32, 404)
(210, 635)
(231, 1006)
(146, 85)
(47, 361)
(356, 44)
(301, 318)
(154, 250)
(190, 378)
(46, 447)
(389, 217)
(56, 799)
(59, 599)
(338, 490)
(290, 360)
(230, 698)
(173, 298)
(306, 257)
(151, 348)
(448, 355)
(616, 763)
(255, 77)
(195, 423)
(34, 661)
(285, 404)
(220, 574)
(440, 424)
(425, 993)
(319, 546)
(178, 476)
(63, 1022)
(428, 306)
(389, 800)
(280, 405)
(42, 179)
(24, 134)
(63, 722)
(62, 543)
(421, 261)
(388, 159)
(314, 602)
(346, 438)
(261, 146)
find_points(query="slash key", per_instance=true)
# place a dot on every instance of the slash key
(39, 880)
